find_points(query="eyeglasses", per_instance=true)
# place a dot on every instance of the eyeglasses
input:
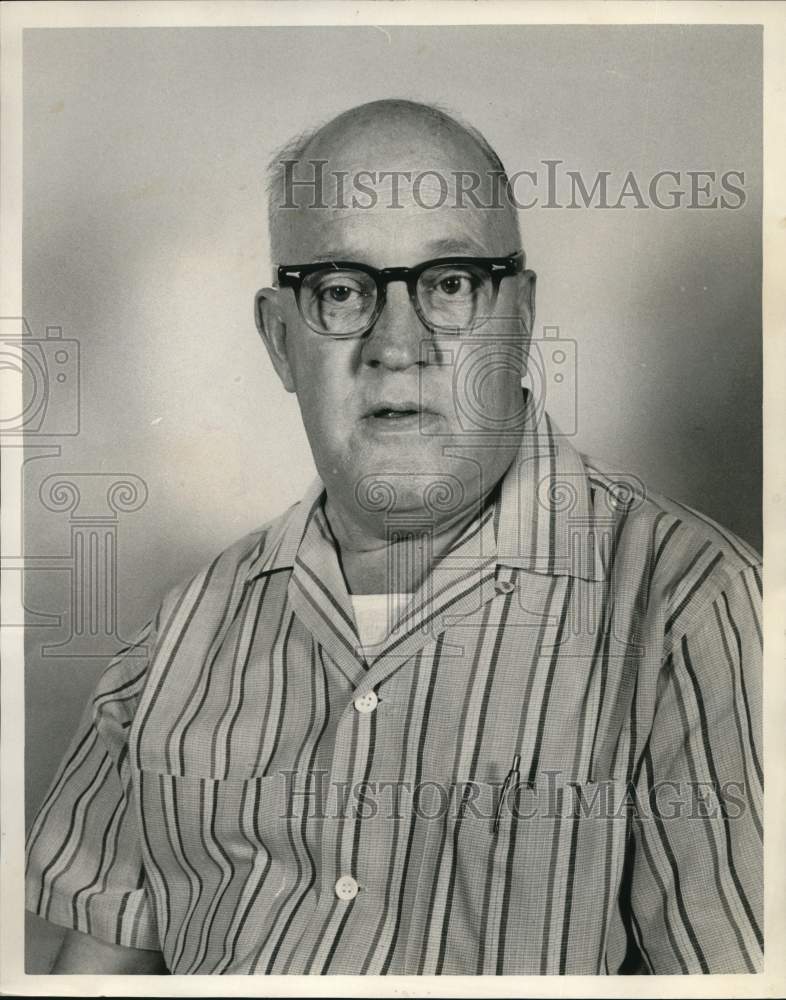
(451, 295)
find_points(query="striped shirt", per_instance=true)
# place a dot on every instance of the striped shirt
(251, 791)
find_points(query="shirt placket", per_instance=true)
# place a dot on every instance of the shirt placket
(356, 852)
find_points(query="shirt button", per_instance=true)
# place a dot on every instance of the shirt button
(504, 587)
(366, 702)
(346, 887)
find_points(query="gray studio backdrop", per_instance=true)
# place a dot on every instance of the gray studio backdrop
(144, 241)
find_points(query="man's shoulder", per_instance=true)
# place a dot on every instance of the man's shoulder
(681, 550)
(234, 565)
(193, 614)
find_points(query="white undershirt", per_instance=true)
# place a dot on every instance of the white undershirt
(375, 614)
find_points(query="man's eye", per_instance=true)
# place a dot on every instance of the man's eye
(339, 294)
(456, 284)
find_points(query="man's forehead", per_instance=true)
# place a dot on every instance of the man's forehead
(387, 236)
(434, 212)
(377, 174)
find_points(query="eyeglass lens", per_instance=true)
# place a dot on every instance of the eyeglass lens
(449, 296)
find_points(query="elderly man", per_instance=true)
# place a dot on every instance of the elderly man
(474, 705)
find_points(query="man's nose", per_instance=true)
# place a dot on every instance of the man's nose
(395, 340)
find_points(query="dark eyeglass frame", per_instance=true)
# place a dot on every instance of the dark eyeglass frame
(292, 276)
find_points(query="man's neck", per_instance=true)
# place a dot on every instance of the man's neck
(399, 562)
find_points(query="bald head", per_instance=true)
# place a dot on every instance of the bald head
(386, 156)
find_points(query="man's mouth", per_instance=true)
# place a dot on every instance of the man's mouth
(405, 413)
(394, 409)
(394, 412)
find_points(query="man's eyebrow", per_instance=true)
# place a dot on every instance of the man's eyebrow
(447, 247)
(337, 253)
(464, 245)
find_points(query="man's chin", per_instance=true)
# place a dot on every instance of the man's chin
(411, 489)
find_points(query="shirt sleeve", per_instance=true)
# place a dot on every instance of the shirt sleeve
(84, 858)
(697, 878)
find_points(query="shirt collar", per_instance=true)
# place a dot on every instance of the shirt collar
(281, 544)
(545, 521)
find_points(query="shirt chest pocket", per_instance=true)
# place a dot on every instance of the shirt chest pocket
(532, 897)
(221, 857)
(199, 815)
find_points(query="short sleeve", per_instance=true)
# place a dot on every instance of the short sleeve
(84, 858)
(697, 879)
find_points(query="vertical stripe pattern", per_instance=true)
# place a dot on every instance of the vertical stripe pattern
(254, 796)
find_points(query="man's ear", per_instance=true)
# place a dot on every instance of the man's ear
(273, 331)
(525, 297)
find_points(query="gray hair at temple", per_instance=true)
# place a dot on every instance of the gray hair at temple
(434, 117)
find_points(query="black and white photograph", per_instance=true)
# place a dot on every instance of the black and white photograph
(385, 483)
